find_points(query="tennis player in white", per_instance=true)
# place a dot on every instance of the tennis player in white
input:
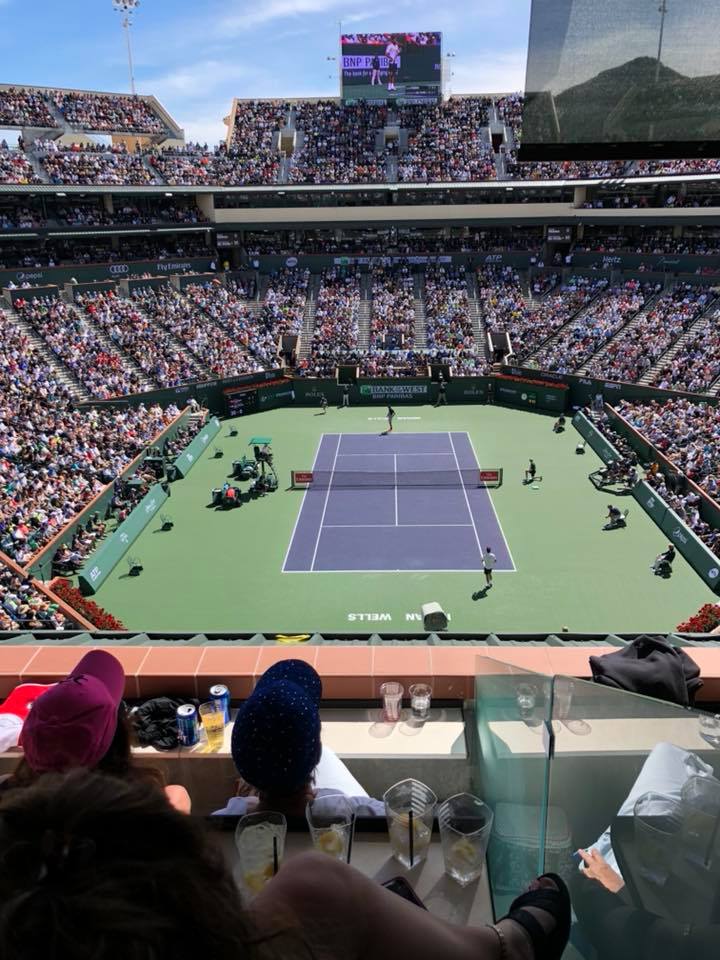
(489, 561)
(392, 52)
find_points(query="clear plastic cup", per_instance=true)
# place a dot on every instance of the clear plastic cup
(260, 843)
(409, 808)
(212, 717)
(392, 694)
(465, 827)
(709, 724)
(420, 697)
(700, 816)
(658, 820)
(331, 822)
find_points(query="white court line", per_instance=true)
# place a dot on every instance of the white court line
(362, 526)
(497, 519)
(327, 497)
(468, 570)
(302, 504)
(396, 497)
(467, 501)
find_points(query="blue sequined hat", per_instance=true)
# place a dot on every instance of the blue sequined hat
(276, 736)
(299, 672)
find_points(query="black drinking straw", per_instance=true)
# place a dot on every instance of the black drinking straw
(275, 856)
(410, 828)
(352, 831)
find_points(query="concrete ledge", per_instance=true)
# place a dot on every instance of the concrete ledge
(353, 673)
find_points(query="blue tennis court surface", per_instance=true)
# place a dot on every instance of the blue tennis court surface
(403, 502)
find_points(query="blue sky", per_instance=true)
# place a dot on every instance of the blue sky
(197, 56)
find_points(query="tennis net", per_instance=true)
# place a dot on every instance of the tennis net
(357, 479)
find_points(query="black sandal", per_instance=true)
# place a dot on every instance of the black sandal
(547, 945)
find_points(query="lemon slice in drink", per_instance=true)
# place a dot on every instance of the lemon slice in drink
(463, 853)
(331, 841)
(255, 880)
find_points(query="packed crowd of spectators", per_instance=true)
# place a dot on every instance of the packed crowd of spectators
(83, 165)
(696, 364)
(593, 327)
(657, 242)
(505, 308)
(24, 607)
(667, 168)
(19, 218)
(126, 212)
(54, 459)
(392, 314)
(447, 308)
(337, 143)
(215, 324)
(335, 336)
(284, 302)
(24, 108)
(102, 370)
(447, 142)
(630, 354)
(108, 112)
(15, 167)
(687, 433)
(153, 349)
(565, 169)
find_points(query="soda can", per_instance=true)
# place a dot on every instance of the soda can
(221, 693)
(187, 724)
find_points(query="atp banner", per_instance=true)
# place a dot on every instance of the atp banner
(102, 562)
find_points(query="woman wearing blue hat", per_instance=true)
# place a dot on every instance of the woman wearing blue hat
(277, 749)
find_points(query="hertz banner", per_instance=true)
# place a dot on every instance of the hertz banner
(103, 561)
(703, 562)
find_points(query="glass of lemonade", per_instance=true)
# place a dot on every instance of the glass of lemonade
(331, 821)
(465, 827)
(260, 843)
(409, 808)
(212, 716)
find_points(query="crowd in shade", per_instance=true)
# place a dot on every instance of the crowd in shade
(695, 365)
(19, 218)
(392, 313)
(447, 308)
(158, 354)
(506, 309)
(668, 168)
(594, 326)
(338, 143)
(631, 354)
(55, 459)
(284, 302)
(447, 142)
(335, 335)
(103, 165)
(108, 112)
(686, 432)
(24, 108)
(24, 607)
(16, 168)
(34, 255)
(95, 363)
(126, 212)
(658, 242)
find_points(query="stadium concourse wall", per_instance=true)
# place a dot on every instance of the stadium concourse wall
(87, 273)
(40, 565)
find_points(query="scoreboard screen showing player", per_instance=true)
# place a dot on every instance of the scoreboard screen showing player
(399, 67)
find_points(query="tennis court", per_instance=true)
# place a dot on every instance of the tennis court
(402, 502)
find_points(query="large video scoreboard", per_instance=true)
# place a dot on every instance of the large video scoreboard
(399, 67)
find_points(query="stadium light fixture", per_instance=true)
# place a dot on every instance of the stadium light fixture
(127, 9)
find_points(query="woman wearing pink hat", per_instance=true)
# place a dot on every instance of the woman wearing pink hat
(81, 722)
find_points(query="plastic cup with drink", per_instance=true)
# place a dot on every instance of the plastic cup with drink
(260, 843)
(331, 823)
(465, 827)
(409, 808)
(212, 717)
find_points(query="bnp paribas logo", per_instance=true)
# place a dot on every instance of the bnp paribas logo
(366, 391)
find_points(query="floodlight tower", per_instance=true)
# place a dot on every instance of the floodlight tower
(127, 9)
(662, 10)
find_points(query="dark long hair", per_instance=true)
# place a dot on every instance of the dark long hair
(117, 762)
(93, 866)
